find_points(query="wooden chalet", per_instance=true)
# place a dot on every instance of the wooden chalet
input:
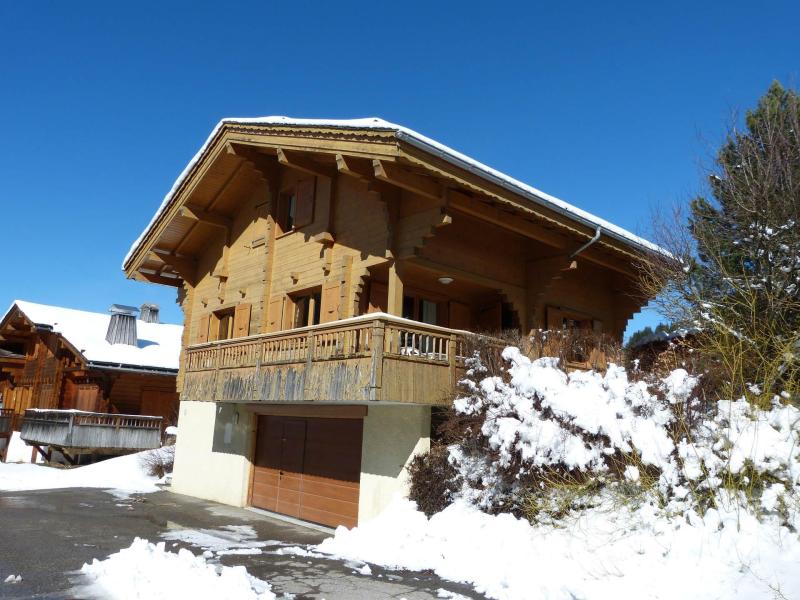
(329, 272)
(87, 382)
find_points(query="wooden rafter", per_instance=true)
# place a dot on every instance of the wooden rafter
(198, 214)
(295, 160)
(403, 178)
(355, 167)
(185, 266)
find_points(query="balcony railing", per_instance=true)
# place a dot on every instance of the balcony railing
(371, 357)
(90, 431)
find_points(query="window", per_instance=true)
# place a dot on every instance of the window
(425, 311)
(296, 206)
(287, 207)
(421, 309)
(307, 307)
(224, 324)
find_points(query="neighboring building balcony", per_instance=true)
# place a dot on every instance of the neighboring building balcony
(7, 422)
(86, 431)
(374, 357)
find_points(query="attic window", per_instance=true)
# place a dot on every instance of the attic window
(296, 206)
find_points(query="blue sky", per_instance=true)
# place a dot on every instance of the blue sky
(613, 107)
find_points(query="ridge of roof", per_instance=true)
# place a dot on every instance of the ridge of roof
(423, 142)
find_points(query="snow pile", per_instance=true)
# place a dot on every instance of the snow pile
(146, 570)
(740, 441)
(602, 428)
(19, 452)
(122, 474)
(606, 552)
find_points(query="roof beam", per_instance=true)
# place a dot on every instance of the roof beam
(143, 275)
(296, 160)
(261, 162)
(355, 167)
(185, 266)
(418, 184)
(197, 214)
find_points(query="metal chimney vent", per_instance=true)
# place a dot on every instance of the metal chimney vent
(149, 313)
(122, 326)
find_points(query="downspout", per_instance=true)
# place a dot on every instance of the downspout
(587, 244)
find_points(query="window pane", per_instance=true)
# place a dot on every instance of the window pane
(408, 307)
(429, 312)
(317, 308)
(301, 311)
(290, 211)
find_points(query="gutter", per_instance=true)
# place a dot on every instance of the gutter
(131, 368)
(587, 244)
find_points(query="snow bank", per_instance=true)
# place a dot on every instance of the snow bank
(123, 474)
(146, 570)
(19, 451)
(605, 426)
(607, 552)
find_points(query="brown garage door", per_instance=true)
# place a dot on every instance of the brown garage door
(308, 468)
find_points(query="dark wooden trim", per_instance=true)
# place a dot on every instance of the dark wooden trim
(323, 411)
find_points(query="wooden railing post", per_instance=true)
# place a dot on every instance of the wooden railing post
(376, 377)
(309, 348)
(452, 345)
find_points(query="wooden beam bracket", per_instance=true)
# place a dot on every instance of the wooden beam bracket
(403, 178)
(198, 214)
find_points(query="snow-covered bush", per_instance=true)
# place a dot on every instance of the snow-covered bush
(538, 441)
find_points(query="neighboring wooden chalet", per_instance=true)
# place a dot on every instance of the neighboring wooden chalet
(328, 272)
(54, 358)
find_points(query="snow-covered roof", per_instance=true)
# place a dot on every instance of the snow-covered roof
(425, 143)
(159, 344)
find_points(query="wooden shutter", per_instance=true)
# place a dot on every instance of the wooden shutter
(378, 297)
(202, 330)
(460, 316)
(288, 313)
(87, 397)
(241, 320)
(330, 302)
(304, 209)
(275, 314)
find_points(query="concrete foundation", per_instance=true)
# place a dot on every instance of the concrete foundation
(212, 453)
(215, 444)
(393, 435)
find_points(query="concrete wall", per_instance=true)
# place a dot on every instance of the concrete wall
(215, 441)
(212, 452)
(393, 435)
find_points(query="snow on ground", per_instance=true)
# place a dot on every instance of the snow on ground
(19, 451)
(123, 474)
(146, 570)
(605, 553)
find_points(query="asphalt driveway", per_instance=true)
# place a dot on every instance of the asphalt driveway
(46, 536)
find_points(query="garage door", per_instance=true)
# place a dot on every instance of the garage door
(308, 468)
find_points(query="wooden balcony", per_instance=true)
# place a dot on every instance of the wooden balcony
(90, 431)
(7, 422)
(374, 357)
